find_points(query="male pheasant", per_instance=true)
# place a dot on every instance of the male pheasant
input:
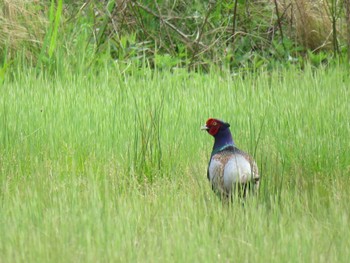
(230, 171)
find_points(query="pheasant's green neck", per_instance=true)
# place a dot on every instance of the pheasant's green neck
(223, 139)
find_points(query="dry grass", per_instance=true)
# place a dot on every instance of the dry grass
(310, 22)
(23, 25)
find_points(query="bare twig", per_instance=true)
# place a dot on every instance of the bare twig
(211, 7)
(279, 24)
(139, 17)
(179, 32)
(347, 3)
(122, 21)
(325, 43)
(234, 25)
(335, 39)
(78, 12)
(211, 44)
(194, 54)
(333, 17)
(103, 29)
(166, 29)
(285, 11)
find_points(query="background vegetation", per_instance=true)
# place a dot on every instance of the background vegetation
(233, 34)
(101, 156)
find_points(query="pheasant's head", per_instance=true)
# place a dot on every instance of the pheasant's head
(213, 126)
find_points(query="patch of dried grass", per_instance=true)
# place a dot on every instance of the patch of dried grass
(23, 26)
(310, 22)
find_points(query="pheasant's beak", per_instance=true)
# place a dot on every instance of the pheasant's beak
(204, 128)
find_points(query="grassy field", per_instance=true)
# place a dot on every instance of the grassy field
(112, 167)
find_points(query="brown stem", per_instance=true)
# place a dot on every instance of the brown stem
(347, 3)
(279, 24)
(234, 24)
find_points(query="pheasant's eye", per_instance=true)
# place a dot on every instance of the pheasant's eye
(214, 123)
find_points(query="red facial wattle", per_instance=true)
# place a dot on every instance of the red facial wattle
(213, 130)
(213, 126)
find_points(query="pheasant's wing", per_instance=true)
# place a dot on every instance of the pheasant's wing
(255, 177)
(250, 174)
(230, 166)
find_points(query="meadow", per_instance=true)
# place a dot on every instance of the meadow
(111, 167)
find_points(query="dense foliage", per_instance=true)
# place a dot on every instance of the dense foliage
(166, 34)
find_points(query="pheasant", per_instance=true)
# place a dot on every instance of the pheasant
(230, 170)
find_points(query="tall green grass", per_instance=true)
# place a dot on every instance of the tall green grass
(111, 167)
